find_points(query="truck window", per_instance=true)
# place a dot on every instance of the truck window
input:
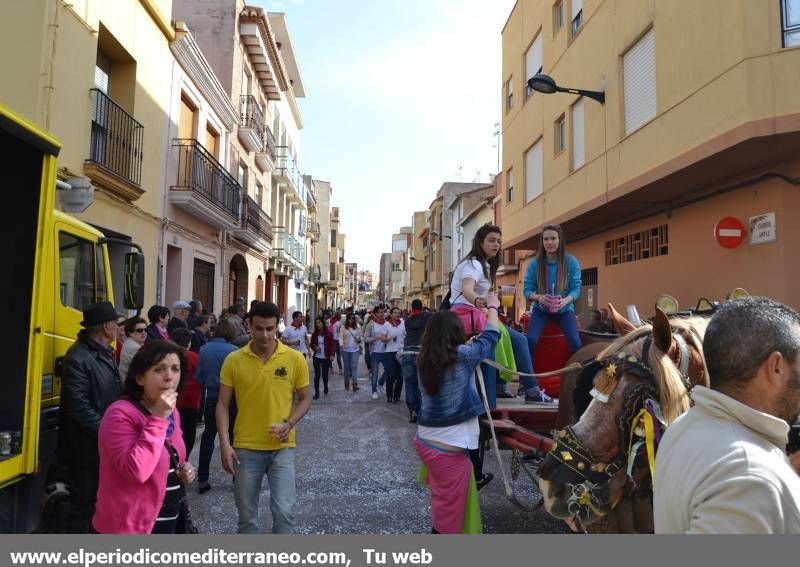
(81, 268)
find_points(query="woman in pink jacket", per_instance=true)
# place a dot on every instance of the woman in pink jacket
(143, 463)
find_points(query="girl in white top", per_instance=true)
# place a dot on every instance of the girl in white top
(349, 342)
(296, 334)
(393, 335)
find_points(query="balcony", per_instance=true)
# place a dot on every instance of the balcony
(116, 148)
(204, 188)
(287, 248)
(287, 172)
(266, 156)
(256, 227)
(312, 229)
(251, 124)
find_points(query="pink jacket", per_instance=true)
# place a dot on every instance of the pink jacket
(134, 464)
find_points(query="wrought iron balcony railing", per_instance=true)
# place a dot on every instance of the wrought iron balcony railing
(288, 168)
(269, 144)
(257, 220)
(251, 115)
(117, 138)
(199, 172)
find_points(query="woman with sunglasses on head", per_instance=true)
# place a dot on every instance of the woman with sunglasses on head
(552, 284)
(135, 336)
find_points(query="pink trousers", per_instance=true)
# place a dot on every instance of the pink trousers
(449, 473)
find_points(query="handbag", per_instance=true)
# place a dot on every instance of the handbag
(184, 523)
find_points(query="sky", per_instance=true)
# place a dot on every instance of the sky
(401, 96)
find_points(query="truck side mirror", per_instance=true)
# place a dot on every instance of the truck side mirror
(134, 281)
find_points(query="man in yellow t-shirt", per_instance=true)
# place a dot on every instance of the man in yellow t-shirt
(264, 375)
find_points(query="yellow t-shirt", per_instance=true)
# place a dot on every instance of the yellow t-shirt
(264, 394)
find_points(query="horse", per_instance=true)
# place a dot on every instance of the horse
(601, 468)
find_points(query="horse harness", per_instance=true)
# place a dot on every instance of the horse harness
(640, 424)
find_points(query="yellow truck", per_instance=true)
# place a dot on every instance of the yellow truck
(54, 266)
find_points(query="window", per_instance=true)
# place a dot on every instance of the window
(639, 71)
(578, 140)
(510, 185)
(333, 272)
(533, 62)
(242, 175)
(577, 16)
(534, 178)
(790, 17)
(245, 82)
(509, 94)
(260, 195)
(560, 135)
(82, 275)
(558, 16)
(399, 246)
(395, 266)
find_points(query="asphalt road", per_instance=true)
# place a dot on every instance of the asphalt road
(356, 472)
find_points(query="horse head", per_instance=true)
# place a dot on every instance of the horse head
(636, 387)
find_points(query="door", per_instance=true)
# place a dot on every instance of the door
(203, 284)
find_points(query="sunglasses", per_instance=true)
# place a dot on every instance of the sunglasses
(143, 330)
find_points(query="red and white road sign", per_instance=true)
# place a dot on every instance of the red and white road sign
(730, 232)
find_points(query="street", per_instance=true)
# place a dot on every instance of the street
(357, 474)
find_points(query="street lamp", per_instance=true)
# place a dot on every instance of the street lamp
(440, 236)
(546, 84)
(415, 260)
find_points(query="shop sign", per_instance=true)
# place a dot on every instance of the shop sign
(762, 228)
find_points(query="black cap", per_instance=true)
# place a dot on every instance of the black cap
(100, 312)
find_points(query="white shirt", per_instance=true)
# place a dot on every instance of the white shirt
(292, 335)
(321, 344)
(349, 338)
(464, 434)
(397, 334)
(721, 468)
(377, 330)
(335, 329)
(468, 269)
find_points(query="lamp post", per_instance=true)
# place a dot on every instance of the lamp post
(546, 84)
(440, 236)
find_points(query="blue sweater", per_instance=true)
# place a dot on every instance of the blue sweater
(209, 363)
(573, 281)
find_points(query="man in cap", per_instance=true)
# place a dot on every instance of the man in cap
(90, 383)
(180, 312)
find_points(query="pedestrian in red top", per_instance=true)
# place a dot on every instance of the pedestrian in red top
(190, 392)
(324, 350)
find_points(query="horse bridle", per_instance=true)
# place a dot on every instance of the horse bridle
(580, 471)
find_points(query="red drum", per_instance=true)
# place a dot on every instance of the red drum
(552, 353)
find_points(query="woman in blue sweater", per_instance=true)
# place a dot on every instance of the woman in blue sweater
(552, 284)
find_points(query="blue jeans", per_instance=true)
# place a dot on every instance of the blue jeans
(565, 320)
(377, 359)
(409, 366)
(338, 354)
(350, 366)
(279, 468)
(522, 357)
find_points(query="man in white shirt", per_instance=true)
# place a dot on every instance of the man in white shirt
(296, 335)
(722, 466)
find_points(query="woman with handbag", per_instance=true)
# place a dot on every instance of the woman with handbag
(350, 338)
(143, 466)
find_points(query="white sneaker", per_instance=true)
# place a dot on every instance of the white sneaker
(374, 395)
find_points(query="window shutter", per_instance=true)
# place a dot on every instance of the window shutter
(533, 58)
(639, 68)
(578, 136)
(533, 172)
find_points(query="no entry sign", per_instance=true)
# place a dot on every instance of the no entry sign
(729, 232)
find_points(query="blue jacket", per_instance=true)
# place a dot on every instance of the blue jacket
(209, 364)
(573, 281)
(457, 399)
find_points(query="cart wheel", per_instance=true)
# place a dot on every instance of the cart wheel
(516, 463)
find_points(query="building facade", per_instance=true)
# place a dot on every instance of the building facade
(642, 183)
(96, 75)
(266, 252)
